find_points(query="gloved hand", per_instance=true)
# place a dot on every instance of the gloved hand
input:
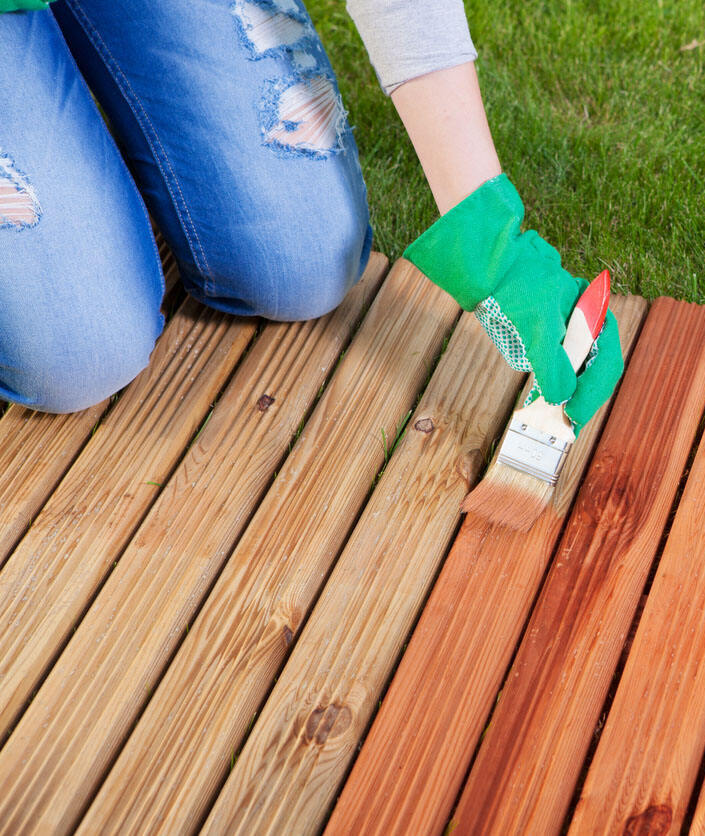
(16, 5)
(515, 284)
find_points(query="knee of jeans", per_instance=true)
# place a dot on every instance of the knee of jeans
(83, 364)
(298, 272)
(318, 274)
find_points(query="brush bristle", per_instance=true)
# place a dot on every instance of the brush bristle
(508, 497)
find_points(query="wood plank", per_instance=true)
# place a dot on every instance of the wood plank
(296, 756)
(54, 441)
(531, 756)
(180, 751)
(28, 478)
(50, 577)
(434, 711)
(644, 769)
(62, 747)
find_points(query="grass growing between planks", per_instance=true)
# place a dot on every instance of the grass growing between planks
(598, 113)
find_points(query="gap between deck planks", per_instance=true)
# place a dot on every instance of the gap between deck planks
(436, 705)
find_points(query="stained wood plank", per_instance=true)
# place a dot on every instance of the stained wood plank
(531, 756)
(57, 755)
(296, 756)
(180, 751)
(644, 769)
(28, 478)
(433, 713)
(57, 566)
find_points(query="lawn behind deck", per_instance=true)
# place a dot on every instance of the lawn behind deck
(598, 114)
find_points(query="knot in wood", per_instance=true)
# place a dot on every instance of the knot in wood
(655, 820)
(327, 721)
(264, 402)
(424, 425)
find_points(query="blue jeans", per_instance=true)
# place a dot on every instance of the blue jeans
(233, 133)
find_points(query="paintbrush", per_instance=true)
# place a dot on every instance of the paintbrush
(522, 477)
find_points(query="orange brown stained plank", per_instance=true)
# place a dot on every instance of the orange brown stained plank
(531, 756)
(645, 767)
(411, 766)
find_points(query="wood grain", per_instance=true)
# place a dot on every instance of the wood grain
(531, 756)
(53, 762)
(82, 529)
(28, 479)
(180, 751)
(296, 756)
(433, 713)
(647, 760)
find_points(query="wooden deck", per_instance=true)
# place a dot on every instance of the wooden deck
(216, 586)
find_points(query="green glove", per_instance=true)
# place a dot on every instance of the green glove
(515, 284)
(17, 5)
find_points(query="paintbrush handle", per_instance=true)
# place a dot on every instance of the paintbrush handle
(578, 340)
(584, 325)
(587, 320)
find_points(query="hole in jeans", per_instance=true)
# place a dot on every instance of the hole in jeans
(306, 117)
(19, 207)
(270, 26)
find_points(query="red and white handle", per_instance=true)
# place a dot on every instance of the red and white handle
(587, 319)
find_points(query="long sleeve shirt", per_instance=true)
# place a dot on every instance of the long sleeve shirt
(408, 38)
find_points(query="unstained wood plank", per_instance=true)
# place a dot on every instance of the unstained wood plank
(180, 751)
(296, 756)
(532, 753)
(51, 575)
(36, 450)
(415, 756)
(644, 769)
(53, 762)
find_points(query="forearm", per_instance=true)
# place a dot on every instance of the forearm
(443, 114)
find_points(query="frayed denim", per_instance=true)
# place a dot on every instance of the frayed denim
(232, 131)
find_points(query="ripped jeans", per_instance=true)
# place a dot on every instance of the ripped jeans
(232, 132)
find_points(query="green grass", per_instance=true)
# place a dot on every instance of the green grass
(598, 116)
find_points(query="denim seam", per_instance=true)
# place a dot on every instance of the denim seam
(151, 135)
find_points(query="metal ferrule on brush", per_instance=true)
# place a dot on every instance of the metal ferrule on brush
(527, 449)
